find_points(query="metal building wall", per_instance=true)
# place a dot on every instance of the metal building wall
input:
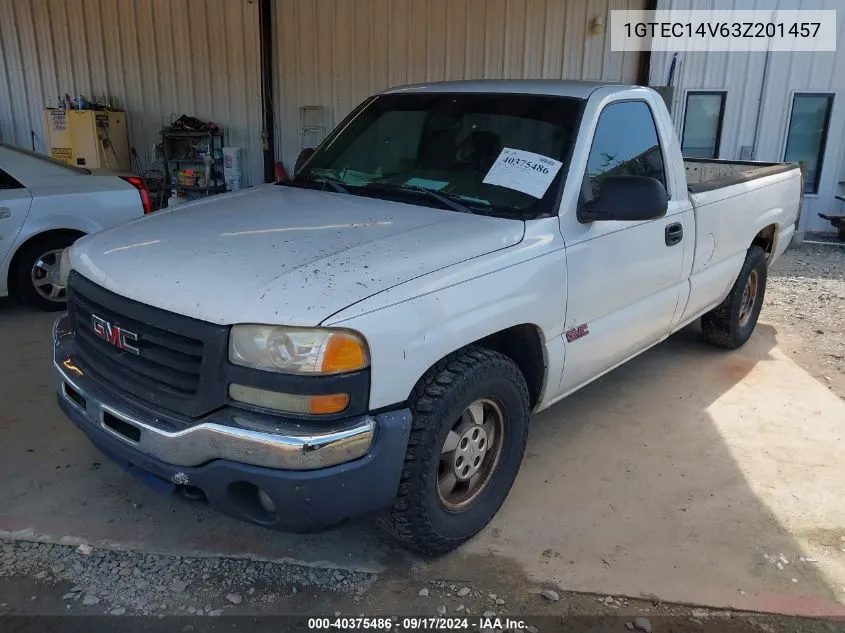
(335, 53)
(157, 57)
(741, 74)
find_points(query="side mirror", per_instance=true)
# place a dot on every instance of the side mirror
(303, 157)
(626, 198)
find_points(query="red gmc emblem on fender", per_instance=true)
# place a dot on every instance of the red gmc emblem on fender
(577, 332)
(120, 338)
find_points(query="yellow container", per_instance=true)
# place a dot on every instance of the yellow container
(88, 138)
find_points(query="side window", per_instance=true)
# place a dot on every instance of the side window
(7, 182)
(625, 144)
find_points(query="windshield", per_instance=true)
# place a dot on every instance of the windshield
(496, 154)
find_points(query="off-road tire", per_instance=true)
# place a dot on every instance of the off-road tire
(721, 326)
(24, 262)
(418, 518)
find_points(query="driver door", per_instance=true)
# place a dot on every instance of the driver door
(624, 276)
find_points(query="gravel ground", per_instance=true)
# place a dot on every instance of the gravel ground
(805, 302)
(124, 582)
(186, 594)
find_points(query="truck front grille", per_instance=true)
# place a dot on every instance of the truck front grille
(179, 359)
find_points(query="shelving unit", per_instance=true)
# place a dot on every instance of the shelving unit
(186, 149)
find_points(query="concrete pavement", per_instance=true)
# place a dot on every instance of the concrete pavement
(676, 476)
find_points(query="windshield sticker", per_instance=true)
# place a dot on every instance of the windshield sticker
(523, 171)
(425, 183)
(358, 178)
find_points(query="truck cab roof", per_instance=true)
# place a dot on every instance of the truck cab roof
(552, 87)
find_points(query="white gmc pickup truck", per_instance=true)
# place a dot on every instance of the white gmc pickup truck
(371, 337)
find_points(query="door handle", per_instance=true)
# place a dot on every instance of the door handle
(674, 233)
(5, 212)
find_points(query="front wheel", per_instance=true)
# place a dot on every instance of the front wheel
(732, 322)
(470, 425)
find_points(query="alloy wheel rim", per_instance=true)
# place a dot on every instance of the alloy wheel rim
(749, 298)
(470, 454)
(45, 276)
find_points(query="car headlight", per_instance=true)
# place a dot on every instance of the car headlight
(64, 267)
(294, 350)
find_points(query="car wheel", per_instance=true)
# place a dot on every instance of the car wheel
(470, 423)
(37, 272)
(731, 324)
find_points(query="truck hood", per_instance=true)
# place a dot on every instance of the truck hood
(282, 255)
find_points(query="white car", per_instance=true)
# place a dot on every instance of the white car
(372, 337)
(46, 205)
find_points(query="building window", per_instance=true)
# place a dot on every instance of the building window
(807, 134)
(703, 124)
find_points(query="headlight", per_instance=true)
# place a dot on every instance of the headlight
(293, 350)
(64, 267)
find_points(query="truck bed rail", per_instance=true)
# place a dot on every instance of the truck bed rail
(709, 174)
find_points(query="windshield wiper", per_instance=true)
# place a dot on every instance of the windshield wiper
(334, 182)
(452, 204)
(447, 201)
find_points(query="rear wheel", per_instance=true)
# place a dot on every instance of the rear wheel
(470, 424)
(37, 272)
(733, 321)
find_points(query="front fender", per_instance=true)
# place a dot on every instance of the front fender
(432, 316)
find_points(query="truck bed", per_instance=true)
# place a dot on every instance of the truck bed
(706, 174)
(733, 199)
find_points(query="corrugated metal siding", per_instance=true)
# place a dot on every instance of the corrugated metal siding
(741, 75)
(157, 57)
(335, 53)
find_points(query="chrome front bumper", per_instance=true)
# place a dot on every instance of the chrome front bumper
(231, 433)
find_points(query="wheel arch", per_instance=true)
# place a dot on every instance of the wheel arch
(524, 345)
(766, 238)
(14, 262)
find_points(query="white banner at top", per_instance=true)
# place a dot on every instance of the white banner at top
(679, 30)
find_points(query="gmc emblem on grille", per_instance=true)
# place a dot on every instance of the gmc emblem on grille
(115, 335)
